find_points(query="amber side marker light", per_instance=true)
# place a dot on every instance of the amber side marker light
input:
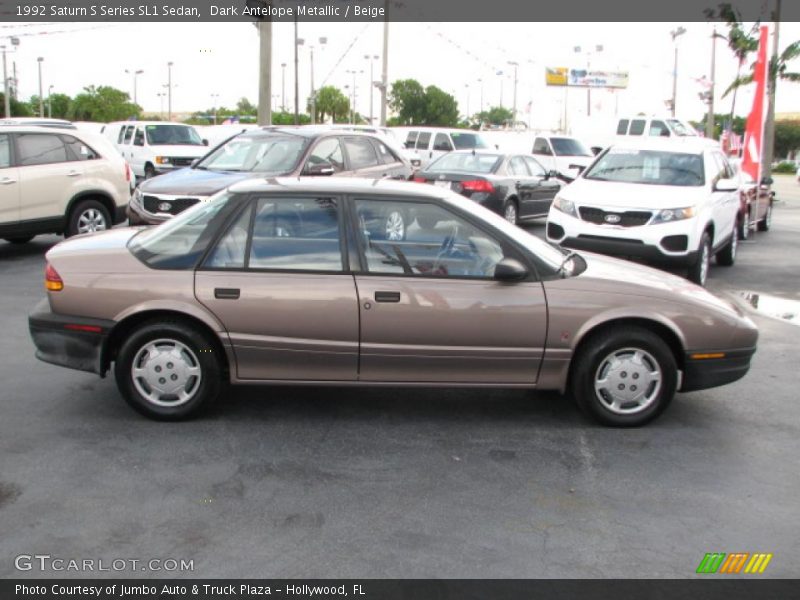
(709, 355)
(52, 280)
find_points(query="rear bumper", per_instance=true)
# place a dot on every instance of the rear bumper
(69, 341)
(701, 374)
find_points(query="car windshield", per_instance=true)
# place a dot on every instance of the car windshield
(652, 167)
(466, 162)
(569, 147)
(180, 242)
(467, 141)
(274, 154)
(172, 135)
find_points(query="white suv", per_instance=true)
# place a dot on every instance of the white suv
(665, 201)
(59, 181)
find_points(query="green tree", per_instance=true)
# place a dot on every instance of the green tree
(441, 109)
(720, 121)
(787, 138)
(245, 107)
(59, 104)
(416, 105)
(18, 109)
(496, 115)
(331, 102)
(102, 104)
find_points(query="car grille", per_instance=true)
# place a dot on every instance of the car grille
(181, 161)
(629, 218)
(153, 204)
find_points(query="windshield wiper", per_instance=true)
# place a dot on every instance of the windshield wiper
(569, 256)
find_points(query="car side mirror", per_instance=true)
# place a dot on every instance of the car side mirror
(726, 185)
(205, 142)
(580, 168)
(510, 269)
(194, 163)
(551, 174)
(323, 168)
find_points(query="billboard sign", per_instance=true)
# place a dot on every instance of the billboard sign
(585, 78)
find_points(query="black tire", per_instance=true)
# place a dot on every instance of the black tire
(149, 171)
(88, 216)
(744, 225)
(727, 255)
(201, 391)
(591, 364)
(511, 211)
(765, 223)
(698, 273)
(23, 239)
(427, 221)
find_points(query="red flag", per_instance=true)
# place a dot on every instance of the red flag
(754, 133)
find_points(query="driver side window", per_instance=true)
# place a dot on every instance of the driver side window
(328, 150)
(434, 243)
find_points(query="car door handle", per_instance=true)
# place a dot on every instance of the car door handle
(7, 181)
(226, 293)
(387, 296)
(73, 173)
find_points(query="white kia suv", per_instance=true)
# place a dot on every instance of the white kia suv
(661, 200)
(59, 181)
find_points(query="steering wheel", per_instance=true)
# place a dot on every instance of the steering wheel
(445, 249)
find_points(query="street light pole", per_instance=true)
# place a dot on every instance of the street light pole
(480, 80)
(297, 43)
(514, 109)
(710, 116)
(675, 33)
(466, 85)
(385, 66)
(135, 73)
(5, 84)
(371, 58)
(49, 103)
(215, 98)
(41, 99)
(283, 87)
(169, 91)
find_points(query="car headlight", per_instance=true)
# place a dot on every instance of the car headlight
(667, 215)
(137, 197)
(162, 160)
(565, 206)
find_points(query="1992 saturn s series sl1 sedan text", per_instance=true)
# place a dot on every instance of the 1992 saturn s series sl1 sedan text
(298, 281)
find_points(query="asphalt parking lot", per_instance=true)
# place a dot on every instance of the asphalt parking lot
(319, 482)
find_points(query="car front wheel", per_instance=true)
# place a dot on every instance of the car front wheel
(727, 256)
(624, 377)
(88, 216)
(765, 223)
(698, 271)
(168, 371)
(510, 212)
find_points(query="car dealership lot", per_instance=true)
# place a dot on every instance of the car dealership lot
(323, 482)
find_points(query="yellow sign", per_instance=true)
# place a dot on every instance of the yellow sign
(555, 75)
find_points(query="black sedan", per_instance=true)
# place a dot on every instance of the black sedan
(515, 186)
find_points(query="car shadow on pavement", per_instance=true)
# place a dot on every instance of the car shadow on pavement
(9, 251)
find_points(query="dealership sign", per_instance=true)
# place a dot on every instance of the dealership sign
(585, 78)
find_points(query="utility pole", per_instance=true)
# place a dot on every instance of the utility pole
(296, 76)
(215, 98)
(169, 91)
(49, 102)
(283, 87)
(514, 109)
(675, 33)
(480, 80)
(265, 72)
(5, 83)
(710, 116)
(385, 70)
(41, 93)
(370, 58)
(772, 80)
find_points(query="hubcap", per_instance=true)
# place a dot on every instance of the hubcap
(91, 220)
(734, 241)
(395, 226)
(511, 213)
(769, 215)
(705, 256)
(166, 373)
(628, 381)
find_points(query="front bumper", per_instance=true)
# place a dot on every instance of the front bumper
(69, 341)
(137, 216)
(667, 243)
(704, 373)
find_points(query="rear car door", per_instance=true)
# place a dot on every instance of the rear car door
(49, 175)
(394, 167)
(277, 281)
(431, 311)
(9, 183)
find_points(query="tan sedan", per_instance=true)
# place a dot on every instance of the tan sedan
(299, 282)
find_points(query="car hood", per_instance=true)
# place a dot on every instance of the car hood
(622, 276)
(180, 150)
(193, 181)
(609, 194)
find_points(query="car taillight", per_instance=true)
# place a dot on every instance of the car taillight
(419, 179)
(52, 280)
(127, 171)
(477, 185)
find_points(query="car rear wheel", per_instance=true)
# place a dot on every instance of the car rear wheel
(765, 223)
(168, 371)
(727, 256)
(88, 216)
(743, 224)
(510, 211)
(624, 377)
(149, 171)
(23, 239)
(698, 272)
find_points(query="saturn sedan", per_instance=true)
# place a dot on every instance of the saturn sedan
(288, 281)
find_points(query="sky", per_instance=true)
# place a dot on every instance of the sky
(222, 58)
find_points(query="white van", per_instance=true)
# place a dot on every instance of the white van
(654, 126)
(155, 147)
(431, 142)
(562, 153)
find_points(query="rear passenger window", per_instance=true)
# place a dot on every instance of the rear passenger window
(516, 166)
(423, 140)
(411, 139)
(40, 149)
(328, 150)
(442, 142)
(5, 152)
(361, 153)
(138, 139)
(78, 150)
(622, 127)
(121, 134)
(637, 127)
(128, 134)
(385, 155)
(540, 146)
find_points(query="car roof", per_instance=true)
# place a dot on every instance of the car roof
(307, 131)
(687, 144)
(336, 185)
(23, 128)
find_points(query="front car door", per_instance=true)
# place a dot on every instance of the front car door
(276, 279)
(9, 183)
(431, 311)
(725, 205)
(543, 194)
